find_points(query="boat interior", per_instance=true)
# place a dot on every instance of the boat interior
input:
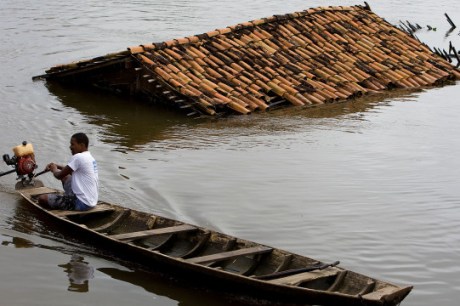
(215, 250)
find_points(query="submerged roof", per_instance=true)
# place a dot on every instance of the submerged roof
(316, 56)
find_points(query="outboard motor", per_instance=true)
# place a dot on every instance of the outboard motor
(23, 162)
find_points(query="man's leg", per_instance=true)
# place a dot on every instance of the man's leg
(57, 201)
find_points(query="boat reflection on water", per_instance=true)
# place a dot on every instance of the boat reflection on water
(18, 242)
(25, 222)
(79, 273)
(161, 285)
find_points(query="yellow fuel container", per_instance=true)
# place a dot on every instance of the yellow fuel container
(23, 150)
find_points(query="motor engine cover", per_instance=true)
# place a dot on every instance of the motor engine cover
(25, 165)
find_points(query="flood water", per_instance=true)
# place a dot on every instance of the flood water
(373, 183)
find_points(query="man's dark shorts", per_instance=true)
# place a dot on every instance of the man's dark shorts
(66, 201)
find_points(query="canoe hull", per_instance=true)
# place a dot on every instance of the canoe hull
(234, 285)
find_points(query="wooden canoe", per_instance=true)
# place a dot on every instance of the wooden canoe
(218, 261)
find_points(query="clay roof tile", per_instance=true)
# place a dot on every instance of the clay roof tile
(136, 49)
(311, 57)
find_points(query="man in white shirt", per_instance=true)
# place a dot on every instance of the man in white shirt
(79, 178)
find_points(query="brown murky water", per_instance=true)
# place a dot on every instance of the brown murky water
(373, 183)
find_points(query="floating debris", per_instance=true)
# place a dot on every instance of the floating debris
(453, 53)
(409, 27)
(452, 24)
(317, 56)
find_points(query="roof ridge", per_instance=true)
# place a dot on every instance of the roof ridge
(239, 27)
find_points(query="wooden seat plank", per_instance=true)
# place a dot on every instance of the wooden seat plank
(66, 213)
(378, 294)
(230, 254)
(153, 232)
(37, 191)
(297, 279)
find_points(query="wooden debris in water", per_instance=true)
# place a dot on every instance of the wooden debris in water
(452, 24)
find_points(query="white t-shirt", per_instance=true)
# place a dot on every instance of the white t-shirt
(85, 179)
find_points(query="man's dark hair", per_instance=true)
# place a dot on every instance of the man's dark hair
(81, 138)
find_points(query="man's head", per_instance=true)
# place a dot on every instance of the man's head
(79, 143)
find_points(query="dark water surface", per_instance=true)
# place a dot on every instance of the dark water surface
(373, 183)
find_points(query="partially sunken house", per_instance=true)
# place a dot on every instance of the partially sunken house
(316, 56)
